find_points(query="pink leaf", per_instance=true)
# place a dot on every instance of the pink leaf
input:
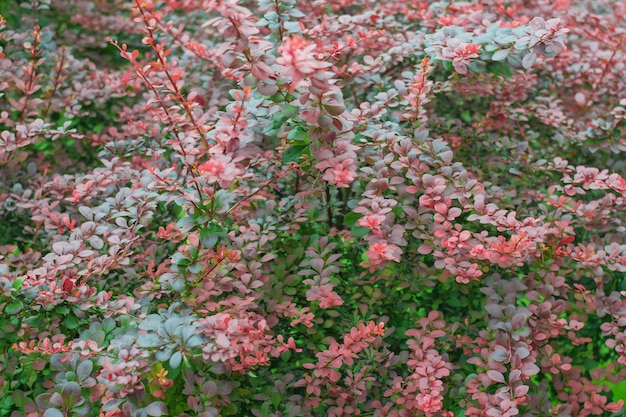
(496, 376)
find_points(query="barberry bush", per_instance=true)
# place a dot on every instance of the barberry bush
(322, 208)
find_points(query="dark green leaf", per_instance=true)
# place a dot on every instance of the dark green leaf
(351, 218)
(292, 153)
(71, 322)
(359, 231)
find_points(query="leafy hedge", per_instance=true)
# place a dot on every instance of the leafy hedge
(279, 208)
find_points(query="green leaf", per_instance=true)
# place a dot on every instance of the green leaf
(62, 311)
(173, 372)
(289, 110)
(211, 234)
(618, 390)
(183, 262)
(590, 364)
(265, 409)
(275, 398)
(17, 284)
(351, 218)
(14, 307)
(108, 325)
(453, 300)
(277, 121)
(292, 153)
(71, 322)
(359, 231)
(298, 134)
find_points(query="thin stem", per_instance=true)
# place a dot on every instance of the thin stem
(170, 119)
(597, 84)
(329, 209)
(57, 80)
(161, 58)
(32, 68)
(281, 30)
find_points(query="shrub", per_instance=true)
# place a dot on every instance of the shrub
(281, 208)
